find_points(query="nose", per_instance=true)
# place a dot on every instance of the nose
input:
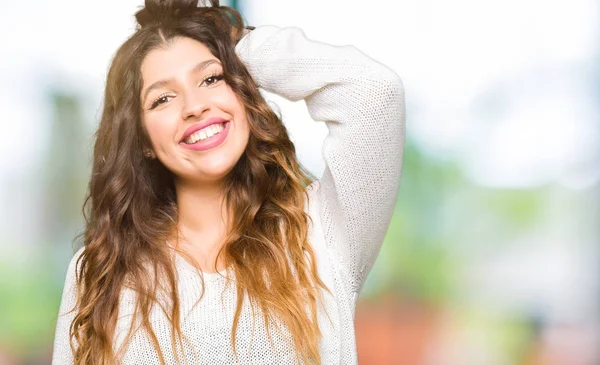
(194, 105)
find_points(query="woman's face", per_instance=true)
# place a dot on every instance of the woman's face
(196, 123)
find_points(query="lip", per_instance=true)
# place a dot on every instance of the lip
(210, 142)
(203, 124)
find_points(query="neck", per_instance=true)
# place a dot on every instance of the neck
(202, 212)
(199, 205)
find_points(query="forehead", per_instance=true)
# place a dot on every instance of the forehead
(173, 59)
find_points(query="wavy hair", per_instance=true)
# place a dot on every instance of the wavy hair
(130, 207)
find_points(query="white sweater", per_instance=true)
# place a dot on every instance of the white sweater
(362, 103)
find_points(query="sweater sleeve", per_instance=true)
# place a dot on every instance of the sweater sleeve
(62, 353)
(362, 103)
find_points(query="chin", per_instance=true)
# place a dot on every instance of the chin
(211, 167)
(218, 170)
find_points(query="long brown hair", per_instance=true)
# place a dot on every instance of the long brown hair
(130, 208)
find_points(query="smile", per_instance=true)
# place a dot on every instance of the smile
(207, 138)
(205, 133)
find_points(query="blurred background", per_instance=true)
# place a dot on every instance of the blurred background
(492, 256)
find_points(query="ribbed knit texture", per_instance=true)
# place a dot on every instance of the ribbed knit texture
(362, 103)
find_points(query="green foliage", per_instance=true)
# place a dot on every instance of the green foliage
(441, 215)
(29, 306)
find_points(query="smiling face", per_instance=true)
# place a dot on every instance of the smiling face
(184, 91)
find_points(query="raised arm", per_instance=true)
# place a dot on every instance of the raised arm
(362, 103)
(62, 353)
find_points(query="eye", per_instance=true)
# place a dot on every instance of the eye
(160, 100)
(211, 80)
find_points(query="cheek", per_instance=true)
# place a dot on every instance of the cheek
(238, 112)
(159, 128)
(228, 101)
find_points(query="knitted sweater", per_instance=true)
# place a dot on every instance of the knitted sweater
(362, 103)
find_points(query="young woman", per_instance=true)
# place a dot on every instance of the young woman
(206, 242)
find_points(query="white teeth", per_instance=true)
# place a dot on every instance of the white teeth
(204, 133)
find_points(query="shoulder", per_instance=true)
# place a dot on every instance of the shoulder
(75, 259)
(311, 205)
(314, 186)
(312, 191)
(70, 288)
(73, 267)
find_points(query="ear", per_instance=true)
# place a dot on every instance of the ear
(149, 154)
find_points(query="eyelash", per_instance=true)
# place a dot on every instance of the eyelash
(217, 76)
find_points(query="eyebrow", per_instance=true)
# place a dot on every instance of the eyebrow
(158, 84)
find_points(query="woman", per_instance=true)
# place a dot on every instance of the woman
(206, 242)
